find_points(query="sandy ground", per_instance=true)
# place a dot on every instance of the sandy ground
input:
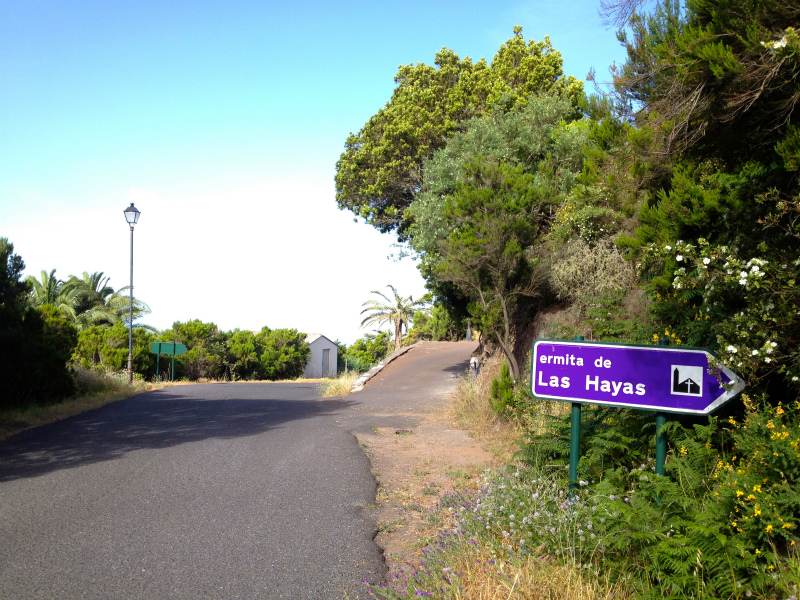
(414, 468)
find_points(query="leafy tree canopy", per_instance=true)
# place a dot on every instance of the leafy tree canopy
(87, 300)
(381, 169)
(35, 345)
(714, 87)
(720, 76)
(499, 213)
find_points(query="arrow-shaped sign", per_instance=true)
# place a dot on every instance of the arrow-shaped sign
(662, 378)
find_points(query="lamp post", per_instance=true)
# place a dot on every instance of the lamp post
(132, 217)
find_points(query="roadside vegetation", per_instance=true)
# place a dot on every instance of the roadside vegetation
(93, 389)
(339, 385)
(721, 524)
(665, 206)
(64, 346)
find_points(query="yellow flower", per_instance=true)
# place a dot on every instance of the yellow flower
(758, 551)
(787, 526)
(684, 451)
(739, 493)
(769, 528)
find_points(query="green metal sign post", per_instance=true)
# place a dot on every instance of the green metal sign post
(661, 437)
(575, 440)
(159, 348)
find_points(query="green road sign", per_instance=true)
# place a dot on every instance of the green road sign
(159, 348)
(167, 348)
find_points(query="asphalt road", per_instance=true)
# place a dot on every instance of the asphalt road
(208, 491)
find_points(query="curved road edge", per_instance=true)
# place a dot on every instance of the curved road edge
(359, 383)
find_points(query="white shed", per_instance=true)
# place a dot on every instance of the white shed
(324, 356)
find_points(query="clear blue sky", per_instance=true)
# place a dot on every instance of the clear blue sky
(223, 122)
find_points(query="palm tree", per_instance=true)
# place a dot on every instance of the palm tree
(87, 300)
(45, 290)
(398, 311)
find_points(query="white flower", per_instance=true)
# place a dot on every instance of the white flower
(755, 269)
(732, 349)
(794, 378)
(668, 247)
(768, 359)
(743, 274)
(754, 353)
(706, 261)
(679, 258)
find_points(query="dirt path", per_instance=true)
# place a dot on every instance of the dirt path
(419, 460)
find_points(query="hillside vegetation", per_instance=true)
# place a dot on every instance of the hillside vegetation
(665, 207)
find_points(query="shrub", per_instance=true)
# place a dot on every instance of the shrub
(368, 350)
(34, 345)
(105, 348)
(582, 272)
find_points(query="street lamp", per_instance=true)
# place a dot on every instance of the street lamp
(132, 217)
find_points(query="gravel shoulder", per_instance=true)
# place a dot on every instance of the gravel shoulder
(417, 457)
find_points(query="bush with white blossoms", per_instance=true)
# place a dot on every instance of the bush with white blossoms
(745, 308)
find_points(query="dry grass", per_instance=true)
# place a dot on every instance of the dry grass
(96, 390)
(471, 411)
(537, 576)
(340, 386)
(534, 578)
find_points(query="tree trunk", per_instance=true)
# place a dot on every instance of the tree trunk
(513, 366)
(506, 343)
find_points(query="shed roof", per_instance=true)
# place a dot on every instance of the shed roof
(313, 337)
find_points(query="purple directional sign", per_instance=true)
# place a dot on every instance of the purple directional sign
(662, 378)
